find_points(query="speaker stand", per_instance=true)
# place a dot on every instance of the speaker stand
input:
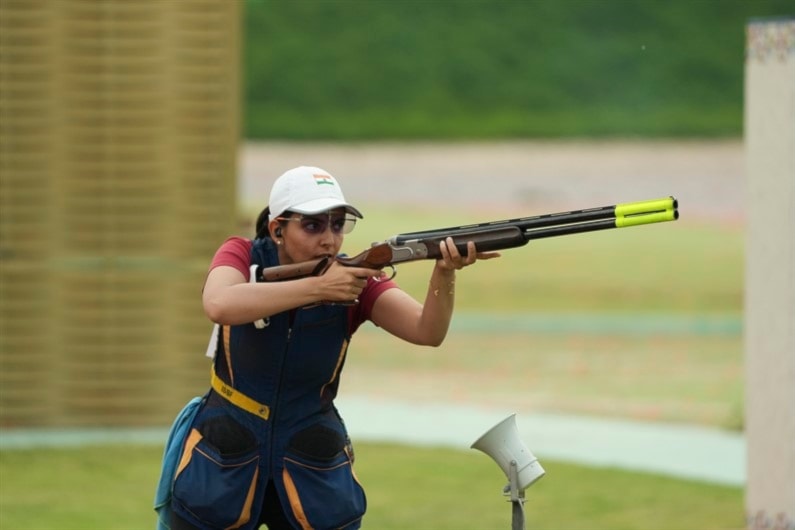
(517, 498)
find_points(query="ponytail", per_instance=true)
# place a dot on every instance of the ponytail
(262, 224)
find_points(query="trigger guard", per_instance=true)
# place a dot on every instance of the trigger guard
(394, 273)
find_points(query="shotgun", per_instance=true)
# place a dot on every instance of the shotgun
(494, 235)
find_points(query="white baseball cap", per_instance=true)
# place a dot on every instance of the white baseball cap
(307, 190)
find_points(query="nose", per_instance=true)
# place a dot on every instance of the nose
(327, 236)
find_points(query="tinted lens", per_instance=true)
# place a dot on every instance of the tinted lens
(313, 225)
(342, 225)
(318, 225)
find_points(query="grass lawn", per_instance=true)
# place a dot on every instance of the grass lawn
(693, 379)
(111, 488)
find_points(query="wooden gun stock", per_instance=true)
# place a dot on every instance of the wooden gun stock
(376, 257)
(280, 273)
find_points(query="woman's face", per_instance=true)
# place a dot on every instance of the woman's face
(306, 237)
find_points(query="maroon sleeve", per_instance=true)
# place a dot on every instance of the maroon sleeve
(360, 312)
(235, 252)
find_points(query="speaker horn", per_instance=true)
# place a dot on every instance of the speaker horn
(503, 445)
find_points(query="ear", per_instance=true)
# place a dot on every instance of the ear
(275, 229)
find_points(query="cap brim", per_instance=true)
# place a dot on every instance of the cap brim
(324, 205)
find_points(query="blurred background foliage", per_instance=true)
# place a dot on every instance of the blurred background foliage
(353, 69)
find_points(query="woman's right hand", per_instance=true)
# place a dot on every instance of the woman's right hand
(344, 284)
(229, 299)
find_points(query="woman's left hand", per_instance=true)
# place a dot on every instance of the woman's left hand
(452, 260)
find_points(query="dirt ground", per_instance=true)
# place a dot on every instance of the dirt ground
(707, 177)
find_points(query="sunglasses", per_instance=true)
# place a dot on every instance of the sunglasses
(317, 225)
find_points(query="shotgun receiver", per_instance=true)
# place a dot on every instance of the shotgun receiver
(495, 235)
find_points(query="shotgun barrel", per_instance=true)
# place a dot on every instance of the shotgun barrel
(563, 223)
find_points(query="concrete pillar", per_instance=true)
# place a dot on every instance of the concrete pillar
(770, 273)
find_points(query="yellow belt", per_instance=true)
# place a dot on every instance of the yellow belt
(238, 399)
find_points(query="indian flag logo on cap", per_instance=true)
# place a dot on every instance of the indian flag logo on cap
(323, 179)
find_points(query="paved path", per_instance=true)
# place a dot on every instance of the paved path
(689, 452)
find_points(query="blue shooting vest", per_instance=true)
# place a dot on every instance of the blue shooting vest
(271, 417)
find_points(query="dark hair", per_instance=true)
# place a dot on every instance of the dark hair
(261, 226)
(262, 223)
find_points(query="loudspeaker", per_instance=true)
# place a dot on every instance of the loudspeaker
(503, 445)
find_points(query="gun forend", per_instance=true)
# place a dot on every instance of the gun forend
(486, 240)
